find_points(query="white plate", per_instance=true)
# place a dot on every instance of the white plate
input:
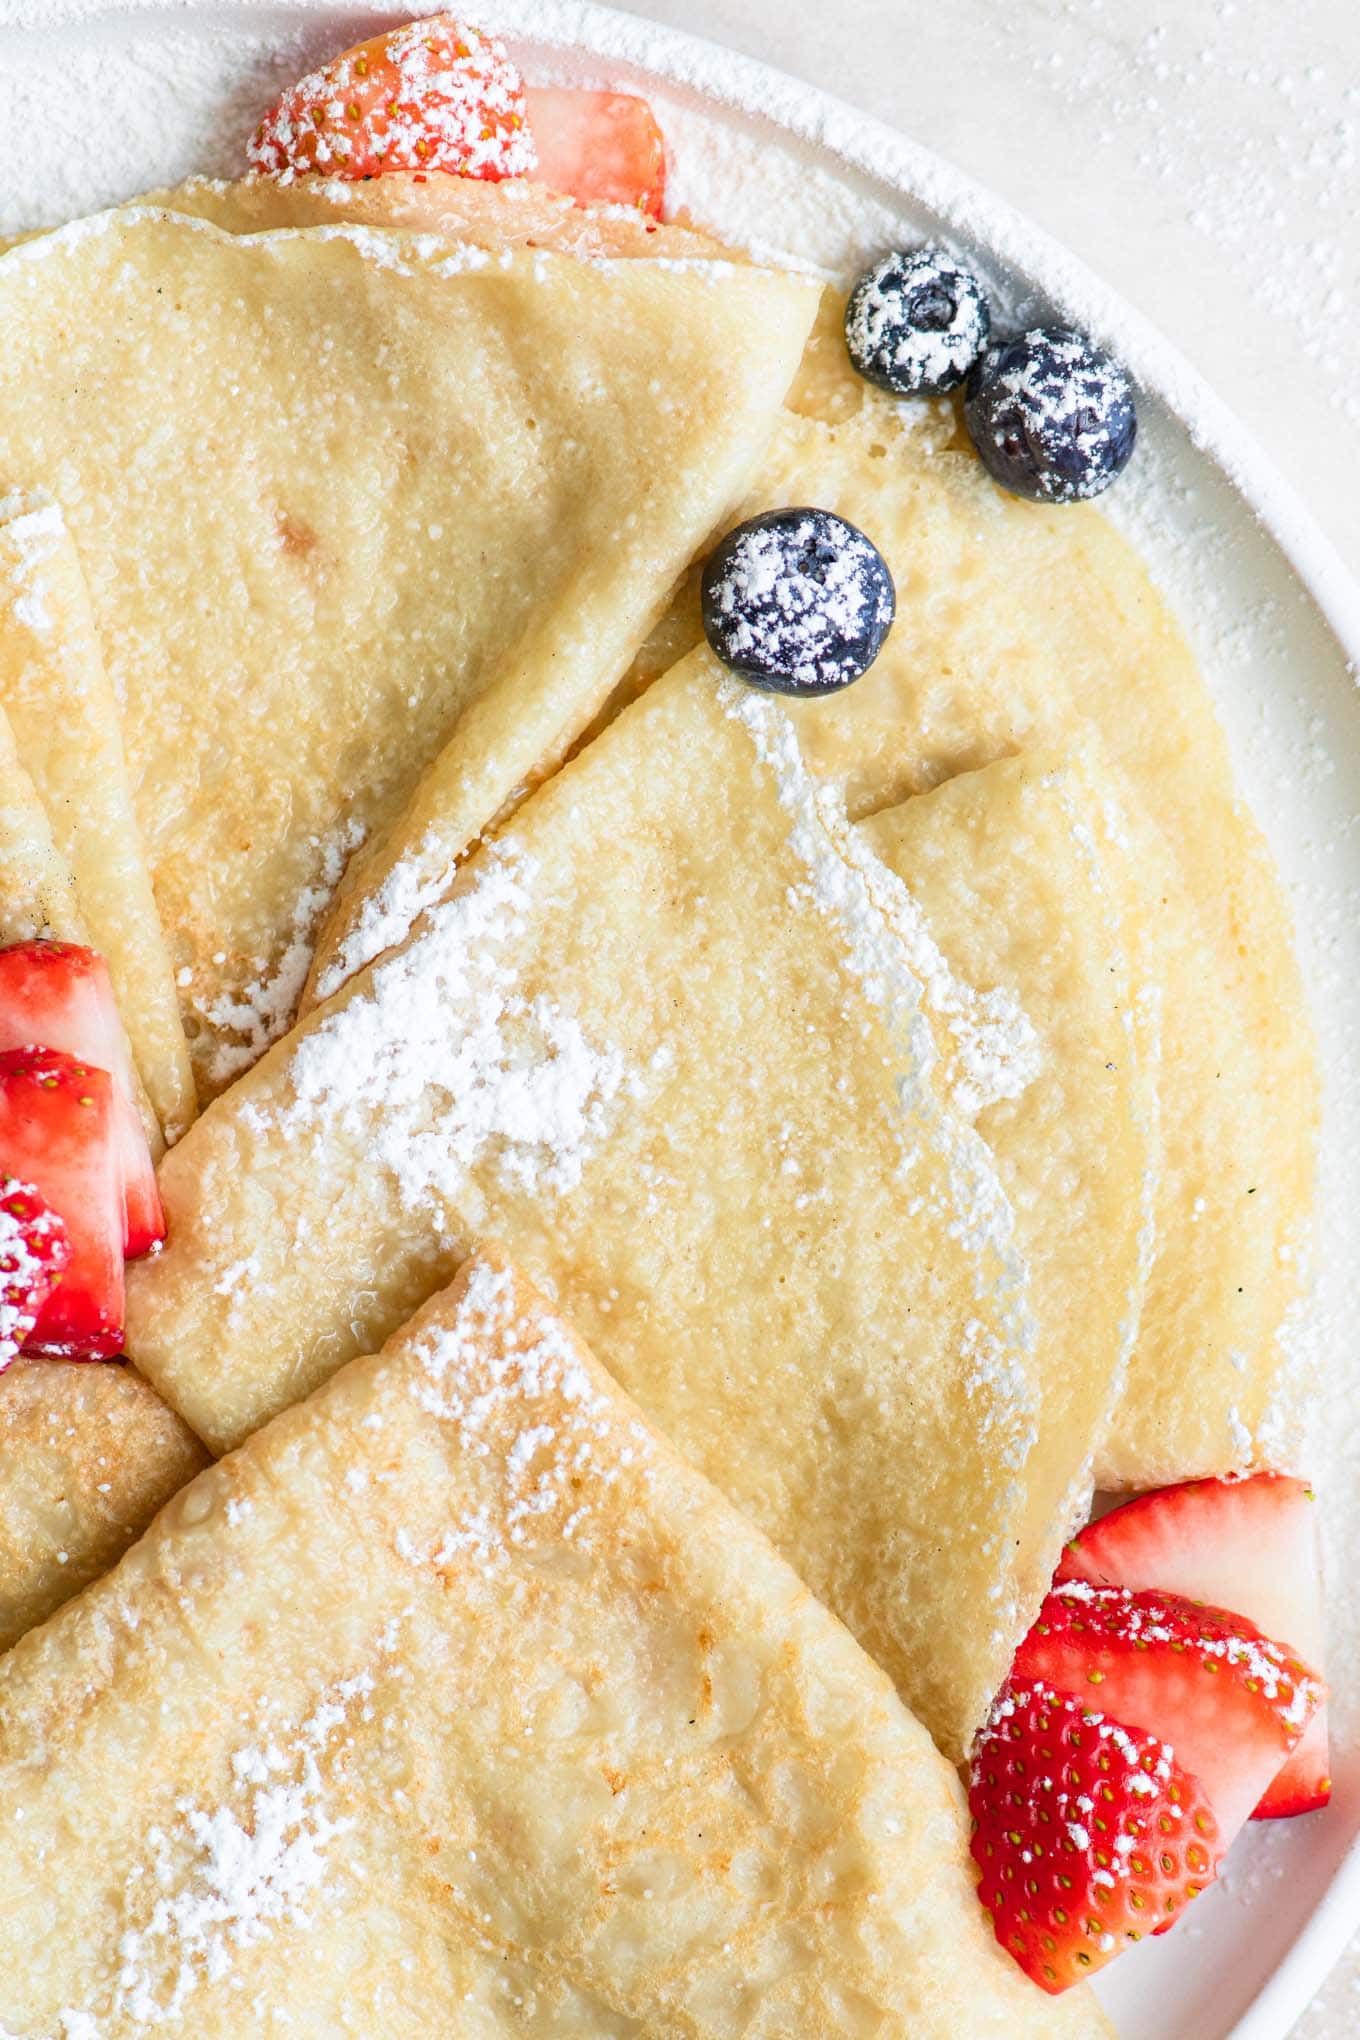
(98, 102)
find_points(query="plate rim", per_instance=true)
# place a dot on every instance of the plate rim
(765, 94)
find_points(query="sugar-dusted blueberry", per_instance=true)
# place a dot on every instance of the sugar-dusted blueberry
(916, 322)
(1052, 415)
(797, 601)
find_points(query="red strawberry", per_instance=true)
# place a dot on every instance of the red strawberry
(1230, 1703)
(59, 1131)
(60, 995)
(1248, 1544)
(1088, 1835)
(35, 1252)
(435, 95)
(604, 148)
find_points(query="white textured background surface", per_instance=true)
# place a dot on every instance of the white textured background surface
(1202, 155)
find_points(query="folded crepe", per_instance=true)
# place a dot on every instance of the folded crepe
(1018, 625)
(88, 1451)
(665, 1038)
(455, 1701)
(371, 523)
(68, 733)
(1018, 873)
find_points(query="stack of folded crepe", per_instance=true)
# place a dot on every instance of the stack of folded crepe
(879, 1085)
(457, 1702)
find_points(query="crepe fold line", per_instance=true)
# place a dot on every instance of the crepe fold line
(456, 1701)
(1022, 625)
(37, 886)
(427, 496)
(512, 213)
(665, 1039)
(1013, 876)
(68, 732)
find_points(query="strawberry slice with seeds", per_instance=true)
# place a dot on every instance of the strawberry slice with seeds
(35, 1251)
(434, 95)
(1229, 1702)
(1089, 1836)
(59, 1132)
(1250, 1545)
(603, 148)
(60, 994)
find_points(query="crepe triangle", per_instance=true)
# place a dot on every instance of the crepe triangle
(354, 505)
(1019, 873)
(1020, 625)
(664, 1038)
(455, 1701)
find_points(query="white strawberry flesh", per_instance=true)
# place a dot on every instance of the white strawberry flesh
(1249, 1545)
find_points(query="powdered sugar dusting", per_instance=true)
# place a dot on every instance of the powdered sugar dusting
(510, 1382)
(441, 1062)
(996, 1050)
(917, 321)
(36, 528)
(795, 594)
(32, 1247)
(1146, 1619)
(389, 913)
(454, 102)
(861, 897)
(258, 1013)
(224, 1877)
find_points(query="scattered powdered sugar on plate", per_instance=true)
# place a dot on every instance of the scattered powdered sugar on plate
(439, 1061)
(1157, 93)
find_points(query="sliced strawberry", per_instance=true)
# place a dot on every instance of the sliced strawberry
(60, 995)
(434, 95)
(1247, 1544)
(35, 1252)
(1230, 1703)
(59, 1131)
(1088, 1835)
(604, 148)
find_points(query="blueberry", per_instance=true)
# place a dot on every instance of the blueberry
(797, 601)
(916, 322)
(1052, 415)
